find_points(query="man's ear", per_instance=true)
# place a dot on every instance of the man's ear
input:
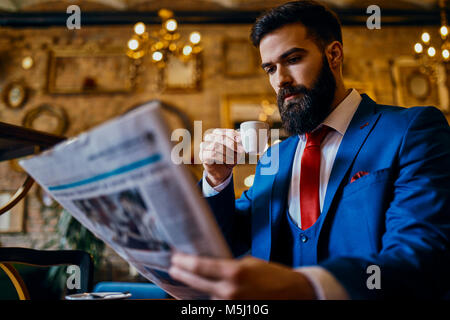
(335, 54)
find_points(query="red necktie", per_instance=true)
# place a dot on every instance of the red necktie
(310, 177)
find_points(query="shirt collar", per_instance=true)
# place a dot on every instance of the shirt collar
(339, 119)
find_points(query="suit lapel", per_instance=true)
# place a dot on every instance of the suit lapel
(268, 214)
(359, 128)
(282, 181)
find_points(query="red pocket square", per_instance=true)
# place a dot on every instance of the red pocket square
(358, 175)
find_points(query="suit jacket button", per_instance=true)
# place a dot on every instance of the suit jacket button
(303, 238)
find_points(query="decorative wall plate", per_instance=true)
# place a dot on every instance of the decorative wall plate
(55, 122)
(14, 95)
(57, 113)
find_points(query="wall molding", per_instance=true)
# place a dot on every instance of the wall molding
(349, 17)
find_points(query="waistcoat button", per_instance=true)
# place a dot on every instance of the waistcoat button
(303, 237)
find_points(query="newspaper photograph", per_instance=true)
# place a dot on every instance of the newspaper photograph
(118, 180)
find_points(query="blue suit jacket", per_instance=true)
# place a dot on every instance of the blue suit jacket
(397, 217)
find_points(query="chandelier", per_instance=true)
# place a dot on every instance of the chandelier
(163, 43)
(430, 56)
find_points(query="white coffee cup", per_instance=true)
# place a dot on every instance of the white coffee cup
(254, 136)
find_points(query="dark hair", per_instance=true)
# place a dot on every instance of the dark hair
(321, 23)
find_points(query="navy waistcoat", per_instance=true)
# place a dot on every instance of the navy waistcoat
(295, 247)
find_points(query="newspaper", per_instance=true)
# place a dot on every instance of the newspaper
(118, 180)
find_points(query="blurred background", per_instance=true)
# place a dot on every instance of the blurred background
(196, 57)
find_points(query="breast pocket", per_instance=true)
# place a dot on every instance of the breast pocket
(361, 209)
(367, 181)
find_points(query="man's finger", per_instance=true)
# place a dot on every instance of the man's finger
(220, 153)
(212, 268)
(212, 157)
(226, 140)
(214, 145)
(194, 281)
(221, 140)
(230, 133)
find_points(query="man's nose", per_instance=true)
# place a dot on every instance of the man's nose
(284, 78)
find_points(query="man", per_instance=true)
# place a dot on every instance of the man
(361, 187)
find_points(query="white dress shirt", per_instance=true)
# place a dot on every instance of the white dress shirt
(325, 284)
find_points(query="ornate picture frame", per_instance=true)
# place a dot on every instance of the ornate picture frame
(414, 87)
(240, 58)
(181, 76)
(12, 221)
(90, 71)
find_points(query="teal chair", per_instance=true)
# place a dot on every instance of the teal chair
(138, 290)
(25, 271)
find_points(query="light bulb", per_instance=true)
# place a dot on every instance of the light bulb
(157, 56)
(426, 37)
(133, 44)
(248, 182)
(171, 25)
(444, 31)
(418, 48)
(431, 51)
(195, 37)
(27, 63)
(445, 54)
(187, 50)
(139, 28)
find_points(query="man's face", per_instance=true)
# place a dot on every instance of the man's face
(300, 75)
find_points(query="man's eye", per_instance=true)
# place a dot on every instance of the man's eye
(270, 70)
(294, 59)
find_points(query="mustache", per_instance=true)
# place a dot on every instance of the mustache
(288, 91)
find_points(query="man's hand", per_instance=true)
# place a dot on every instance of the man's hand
(246, 278)
(219, 153)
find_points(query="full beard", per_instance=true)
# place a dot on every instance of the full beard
(302, 114)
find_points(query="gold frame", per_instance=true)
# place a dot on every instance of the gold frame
(252, 64)
(402, 69)
(85, 53)
(195, 81)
